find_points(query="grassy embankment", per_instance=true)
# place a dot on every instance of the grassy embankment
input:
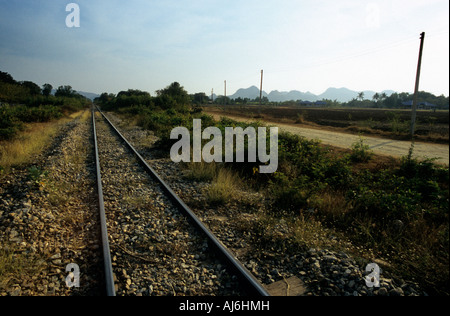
(31, 140)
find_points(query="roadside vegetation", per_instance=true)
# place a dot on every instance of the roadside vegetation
(25, 102)
(30, 116)
(394, 210)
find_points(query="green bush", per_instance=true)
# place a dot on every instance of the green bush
(425, 177)
(338, 173)
(288, 195)
(13, 117)
(386, 206)
(44, 113)
(9, 124)
(360, 151)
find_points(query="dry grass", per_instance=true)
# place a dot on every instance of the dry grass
(310, 233)
(201, 171)
(85, 115)
(301, 118)
(15, 265)
(223, 188)
(332, 205)
(31, 142)
(26, 145)
(23, 149)
(98, 115)
(75, 157)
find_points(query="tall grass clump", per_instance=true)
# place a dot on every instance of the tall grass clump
(223, 188)
(200, 171)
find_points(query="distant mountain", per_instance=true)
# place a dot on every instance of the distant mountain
(89, 95)
(277, 96)
(345, 95)
(339, 94)
(250, 93)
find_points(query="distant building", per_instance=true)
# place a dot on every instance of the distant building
(306, 103)
(316, 103)
(420, 105)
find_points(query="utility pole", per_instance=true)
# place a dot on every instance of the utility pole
(416, 90)
(260, 90)
(212, 95)
(225, 98)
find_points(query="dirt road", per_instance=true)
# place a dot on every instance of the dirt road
(382, 146)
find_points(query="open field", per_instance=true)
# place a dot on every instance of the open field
(383, 143)
(389, 123)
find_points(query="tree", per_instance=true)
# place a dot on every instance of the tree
(133, 97)
(393, 101)
(47, 89)
(7, 78)
(376, 97)
(200, 98)
(65, 91)
(361, 96)
(173, 96)
(177, 92)
(104, 98)
(33, 88)
(133, 92)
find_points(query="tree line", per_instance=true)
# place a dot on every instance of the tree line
(29, 93)
(173, 97)
(379, 100)
(398, 100)
(26, 102)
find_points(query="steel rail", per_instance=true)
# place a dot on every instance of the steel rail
(252, 284)
(109, 277)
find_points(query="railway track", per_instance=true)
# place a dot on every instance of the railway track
(153, 244)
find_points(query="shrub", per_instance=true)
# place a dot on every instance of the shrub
(9, 124)
(338, 173)
(385, 206)
(289, 194)
(360, 151)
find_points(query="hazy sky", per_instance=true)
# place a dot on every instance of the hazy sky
(306, 45)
